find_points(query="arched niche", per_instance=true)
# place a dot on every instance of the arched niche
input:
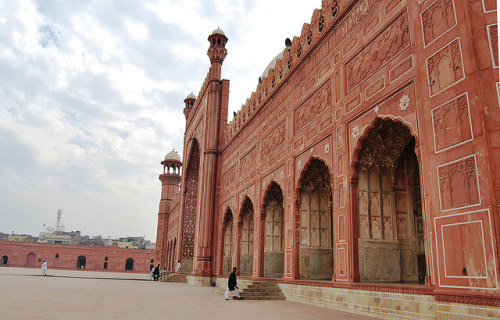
(246, 238)
(390, 219)
(316, 232)
(273, 232)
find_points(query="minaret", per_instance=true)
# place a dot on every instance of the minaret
(170, 183)
(216, 113)
(189, 103)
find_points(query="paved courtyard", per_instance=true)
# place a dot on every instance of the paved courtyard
(25, 294)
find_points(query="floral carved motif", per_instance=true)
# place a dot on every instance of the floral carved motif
(312, 107)
(458, 184)
(274, 139)
(378, 52)
(437, 19)
(404, 102)
(355, 132)
(451, 123)
(445, 67)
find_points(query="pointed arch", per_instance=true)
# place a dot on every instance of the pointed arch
(129, 264)
(30, 259)
(306, 166)
(273, 216)
(389, 207)
(246, 227)
(374, 124)
(227, 238)
(316, 221)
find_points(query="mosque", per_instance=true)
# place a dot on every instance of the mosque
(363, 172)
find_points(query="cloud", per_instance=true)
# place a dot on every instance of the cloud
(91, 99)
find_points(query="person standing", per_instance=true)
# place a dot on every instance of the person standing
(179, 266)
(232, 285)
(44, 268)
(157, 272)
(152, 273)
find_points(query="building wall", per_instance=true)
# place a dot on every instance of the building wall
(67, 256)
(427, 69)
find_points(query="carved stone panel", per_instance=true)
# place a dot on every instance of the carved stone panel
(451, 123)
(438, 18)
(229, 176)
(274, 139)
(392, 41)
(489, 5)
(247, 163)
(493, 37)
(458, 185)
(445, 67)
(313, 106)
(401, 69)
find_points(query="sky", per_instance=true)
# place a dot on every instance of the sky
(91, 100)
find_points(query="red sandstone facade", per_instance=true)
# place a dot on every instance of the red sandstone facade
(59, 256)
(369, 154)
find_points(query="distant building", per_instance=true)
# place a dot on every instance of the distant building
(22, 238)
(59, 256)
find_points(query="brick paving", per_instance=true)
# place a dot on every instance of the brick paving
(64, 294)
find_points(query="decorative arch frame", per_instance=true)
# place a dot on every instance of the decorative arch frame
(306, 167)
(239, 230)
(262, 231)
(265, 194)
(353, 181)
(225, 216)
(296, 211)
(376, 120)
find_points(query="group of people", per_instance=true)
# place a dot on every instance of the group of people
(155, 271)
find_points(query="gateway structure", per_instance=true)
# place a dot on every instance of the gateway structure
(363, 172)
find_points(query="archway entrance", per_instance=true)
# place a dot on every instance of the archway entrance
(246, 239)
(30, 259)
(316, 253)
(4, 260)
(129, 264)
(273, 232)
(391, 232)
(190, 208)
(228, 239)
(80, 263)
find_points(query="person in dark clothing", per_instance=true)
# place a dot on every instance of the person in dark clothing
(232, 285)
(157, 272)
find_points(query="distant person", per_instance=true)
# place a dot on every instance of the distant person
(232, 285)
(179, 266)
(44, 268)
(157, 272)
(152, 273)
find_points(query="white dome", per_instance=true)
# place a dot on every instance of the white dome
(173, 155)
(218, 31)
(271, 65)
(191, 96)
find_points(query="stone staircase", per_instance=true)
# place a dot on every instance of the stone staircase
(257, 290)
(174, 277)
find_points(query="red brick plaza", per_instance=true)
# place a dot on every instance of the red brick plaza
(363, 172)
